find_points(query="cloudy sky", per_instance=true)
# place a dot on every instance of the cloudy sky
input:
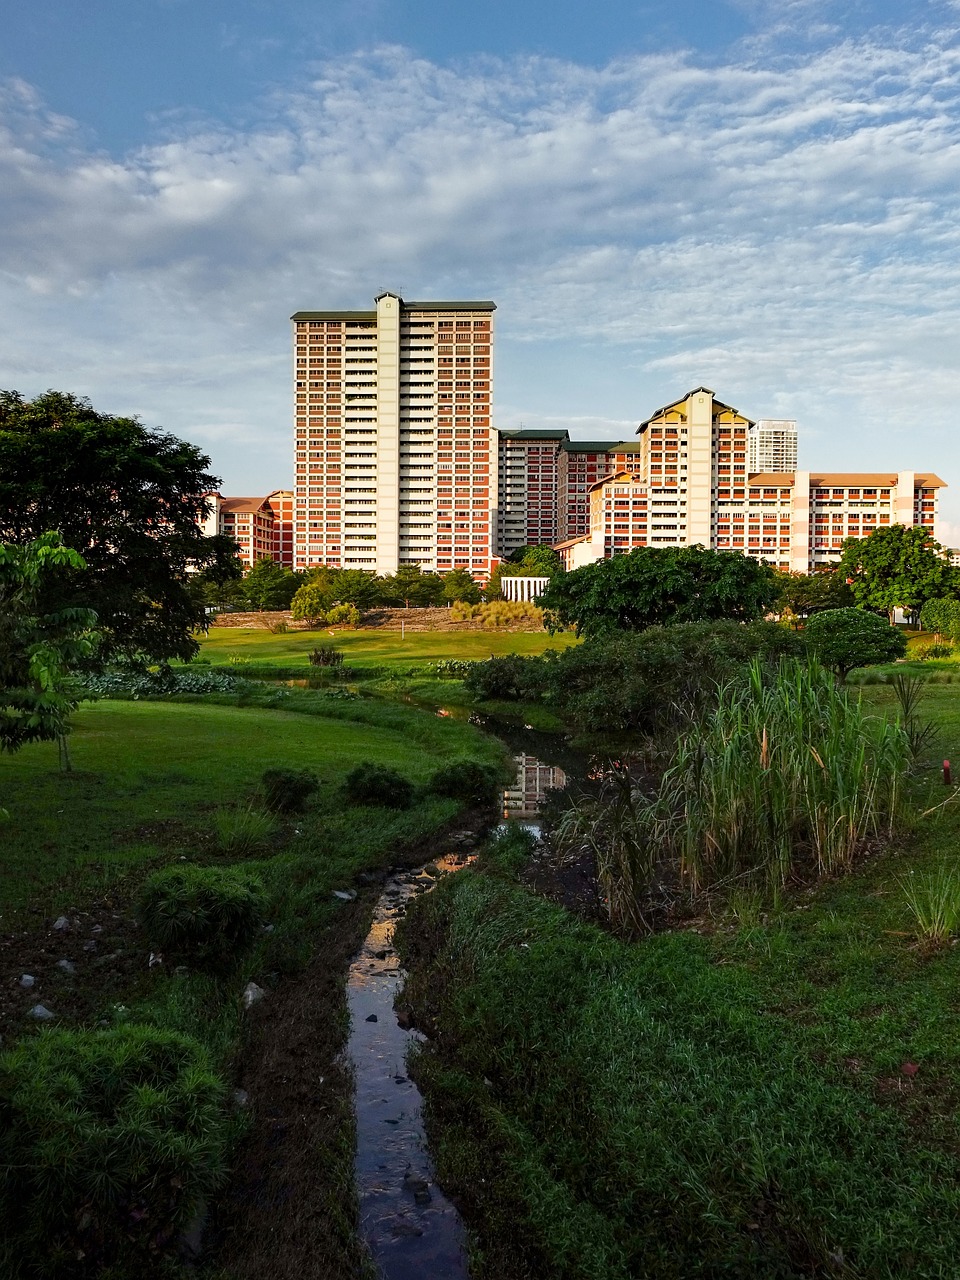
(762, 197)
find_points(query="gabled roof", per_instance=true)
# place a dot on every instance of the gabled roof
(241, 504)
(857, 479)
(675, 404)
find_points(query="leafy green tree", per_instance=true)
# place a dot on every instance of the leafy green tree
(39, 651)
(657, 586)
(357, 586)
(459, 585)
(803, 594)
(311, 603)
(942, 617)
(268, 585)
(897, 567)
(843, 639)
(410, 586)
(128, 500)
(537, 560)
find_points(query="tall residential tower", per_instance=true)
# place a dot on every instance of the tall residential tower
(396, 458)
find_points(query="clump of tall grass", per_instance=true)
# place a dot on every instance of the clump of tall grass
(498, 613)
(933, 899)
(787, 770)
(242, 830)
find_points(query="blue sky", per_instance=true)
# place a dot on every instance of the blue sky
(760, 197)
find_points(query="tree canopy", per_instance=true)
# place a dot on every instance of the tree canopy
(128, 500)
(897, 567)
(843, 639)
(941, 615)
(38, 650)
(659, 586)
(804, 594)
(268, 585)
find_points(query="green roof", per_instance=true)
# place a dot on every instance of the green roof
(405, 306)
(334, 315)
(588, 446)
(554, 433)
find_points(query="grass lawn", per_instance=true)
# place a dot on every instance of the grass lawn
(147, 773)
(772, 1095)
(373, 648)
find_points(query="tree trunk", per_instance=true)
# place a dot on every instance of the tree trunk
(66, 765)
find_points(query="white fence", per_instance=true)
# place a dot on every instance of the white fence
(522, 588)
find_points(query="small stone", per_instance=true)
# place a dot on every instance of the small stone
(42, 1013)
(414, 1183)
(241, 1098)
(67, 966)
(61, 923)
(345, 895)
(372, 1018)
(402, 1228)
(251, 994)
(97, 928)
(27, 981)
(268, 928)
(91, 945)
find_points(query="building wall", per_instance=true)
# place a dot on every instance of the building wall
(772, 445)
(530, 490)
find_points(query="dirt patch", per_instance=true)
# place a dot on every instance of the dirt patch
(438, 619)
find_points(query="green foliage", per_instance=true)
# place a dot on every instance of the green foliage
(137, 682)
(470, 781)
(241, 830)
(411, 587)
(310, 603)
(376, 784)
(897, 567)
(511, 678)
(657, 586)
(920, 733)
(128, 500)
(452, 668)
(941, 615)
(933, 899)
(203, 916)
(931, 652)
(268, 585)
(343, 615)
(843, 639)
(539, 561)
(803, 594)
(325, 655)
(288, 790)
(38, 650)
(111, 1140)
(459, 585)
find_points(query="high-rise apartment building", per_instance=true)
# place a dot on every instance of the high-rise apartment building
(396, 459)
(772, 445)
(528, 488)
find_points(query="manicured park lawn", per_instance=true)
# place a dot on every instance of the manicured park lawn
(148, 773)
(374, 648)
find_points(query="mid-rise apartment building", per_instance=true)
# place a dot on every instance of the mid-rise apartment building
(261, 527)
(395, 452)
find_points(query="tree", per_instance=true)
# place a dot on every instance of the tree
(411, 586)
(459, 585)
(897, 567)
(653, 586)
(310, 604)
(128, 500)
(538, 560)
(39, 650)
(803, 594)
(843, 639)
(356, 586)
(268, 585)
(942, 617)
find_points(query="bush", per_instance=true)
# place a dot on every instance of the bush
(279, 628)
(118, 1136)
(843, 639)
(203, 916)
(287, 790)
(375, 784)
(512, 678)
(342, 615)
(931, 652)
(469, 781)
(450, 668)
(165, 682)
(326, 656)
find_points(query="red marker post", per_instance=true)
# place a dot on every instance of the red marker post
(946, 773)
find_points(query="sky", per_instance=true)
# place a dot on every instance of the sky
(763, 198)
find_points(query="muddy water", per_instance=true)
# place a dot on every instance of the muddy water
(409, 1226)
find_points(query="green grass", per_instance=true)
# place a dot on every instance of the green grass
(148, 774)
(770, 1097)
(373, 648)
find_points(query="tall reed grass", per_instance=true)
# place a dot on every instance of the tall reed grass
(788, 770)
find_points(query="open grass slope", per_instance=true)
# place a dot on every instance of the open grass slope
(373, 648)
(773, 1096)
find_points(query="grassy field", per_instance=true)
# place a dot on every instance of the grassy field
(772, 1094)
(373, 648)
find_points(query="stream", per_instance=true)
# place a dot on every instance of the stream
(410, 1228)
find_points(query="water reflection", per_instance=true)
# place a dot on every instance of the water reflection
(534, 779)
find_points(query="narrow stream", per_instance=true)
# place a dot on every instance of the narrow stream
(411, 1229)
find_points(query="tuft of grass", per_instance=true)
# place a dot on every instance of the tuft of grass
(243, 830)
(933, 898)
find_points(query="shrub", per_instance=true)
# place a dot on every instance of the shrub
(343, 615)
(287, 790)
(157, 684)
(843, 639)
(310, 604)
(934, 901)
(375, 784)
(931, 652)
(469, 781)
(279, 628)
(498, 613)
(118, 1136)
(326, 656)
(240, 830)
(204, 916)
(511, 677)
(450, 668)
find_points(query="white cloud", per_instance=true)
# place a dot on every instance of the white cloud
(784, 228)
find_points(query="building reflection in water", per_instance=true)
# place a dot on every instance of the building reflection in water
(534, 780)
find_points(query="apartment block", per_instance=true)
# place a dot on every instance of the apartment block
(261, 527)
(581, 465)
(689, 482)
(529, 488)
(772, 445)
(396, 460)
